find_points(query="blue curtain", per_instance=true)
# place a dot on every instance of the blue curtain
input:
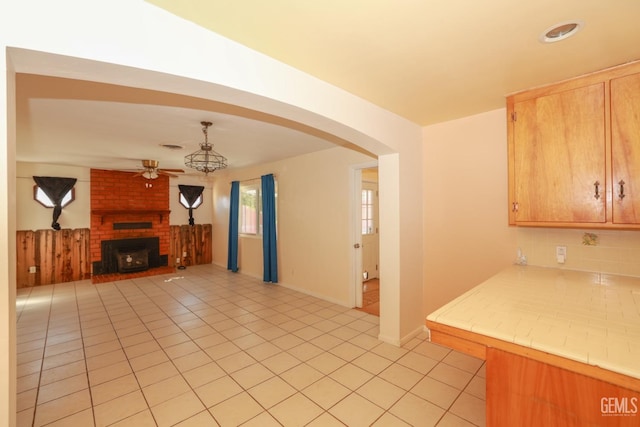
(269, 247)
(234, 206)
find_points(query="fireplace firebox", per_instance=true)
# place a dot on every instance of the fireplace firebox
(129, 261)
(129, 255)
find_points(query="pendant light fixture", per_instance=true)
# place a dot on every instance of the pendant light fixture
(205, 159)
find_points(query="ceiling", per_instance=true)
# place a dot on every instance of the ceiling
(103, 126)
(426, 61)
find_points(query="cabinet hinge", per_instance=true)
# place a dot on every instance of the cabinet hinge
(514, 116)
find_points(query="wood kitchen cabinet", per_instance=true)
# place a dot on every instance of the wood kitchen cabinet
(536, 393)
(625, 144)
(574, 152)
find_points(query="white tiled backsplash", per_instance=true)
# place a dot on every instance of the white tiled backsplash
(616, 252)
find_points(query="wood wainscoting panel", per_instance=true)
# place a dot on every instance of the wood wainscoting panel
(526, 392)
(58, 256)
(193, 240)
(65, 255)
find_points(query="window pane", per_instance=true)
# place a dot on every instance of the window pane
(44, 200)
(183, 201)
(250, 221)
(367, 211)
(249, 209)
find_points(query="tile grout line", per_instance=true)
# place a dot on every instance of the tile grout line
(123, 350)
(44, 349)
(186, 298)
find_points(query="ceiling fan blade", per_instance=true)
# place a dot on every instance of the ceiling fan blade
(138, 174)
(172, 170)
(164, 172)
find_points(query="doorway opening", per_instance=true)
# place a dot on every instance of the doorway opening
(367, 241)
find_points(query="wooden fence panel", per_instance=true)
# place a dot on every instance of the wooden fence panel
(81, 254)
(194, 241)
(26, 257)
(206, 246)
(58, 256)
(44, 257)
(64, 255)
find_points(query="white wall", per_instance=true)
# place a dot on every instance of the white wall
(33, 216)
(203, 214)
(155, 50)
(7, 243)
(314, 222)
(467, 237)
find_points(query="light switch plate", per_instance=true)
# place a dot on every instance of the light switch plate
(561, 254)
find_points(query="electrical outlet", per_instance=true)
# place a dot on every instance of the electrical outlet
(33, 269)
(561, 254)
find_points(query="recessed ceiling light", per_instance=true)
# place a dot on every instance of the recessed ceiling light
(560, 31)
(172, 146)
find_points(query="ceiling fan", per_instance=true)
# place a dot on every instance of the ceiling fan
(151, 170)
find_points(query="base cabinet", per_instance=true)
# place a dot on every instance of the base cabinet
(525, 392)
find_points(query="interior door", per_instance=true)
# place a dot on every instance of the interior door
(356, 285)
(369, 229)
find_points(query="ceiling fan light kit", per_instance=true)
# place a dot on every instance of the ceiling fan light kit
(150, 174)
(151, 170)
(206, 159)
(150, 164)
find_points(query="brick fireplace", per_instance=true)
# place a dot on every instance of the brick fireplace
(127, 212)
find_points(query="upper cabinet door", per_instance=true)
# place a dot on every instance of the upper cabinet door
(625, 148)
(559, 155)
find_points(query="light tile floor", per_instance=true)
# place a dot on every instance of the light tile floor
(206, 347)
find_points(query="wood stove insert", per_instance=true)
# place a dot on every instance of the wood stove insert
(129, 255)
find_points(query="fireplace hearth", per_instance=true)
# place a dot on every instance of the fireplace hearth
(129, 255)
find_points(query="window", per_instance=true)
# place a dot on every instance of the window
(190, 197)
(185, 203)
(40, 197)
(250, 209)
(368, 225)
(250, 221)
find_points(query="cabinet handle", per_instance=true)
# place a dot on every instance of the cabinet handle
(621, 190)
(597, 193)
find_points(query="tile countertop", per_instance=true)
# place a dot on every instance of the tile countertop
(592, 318)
